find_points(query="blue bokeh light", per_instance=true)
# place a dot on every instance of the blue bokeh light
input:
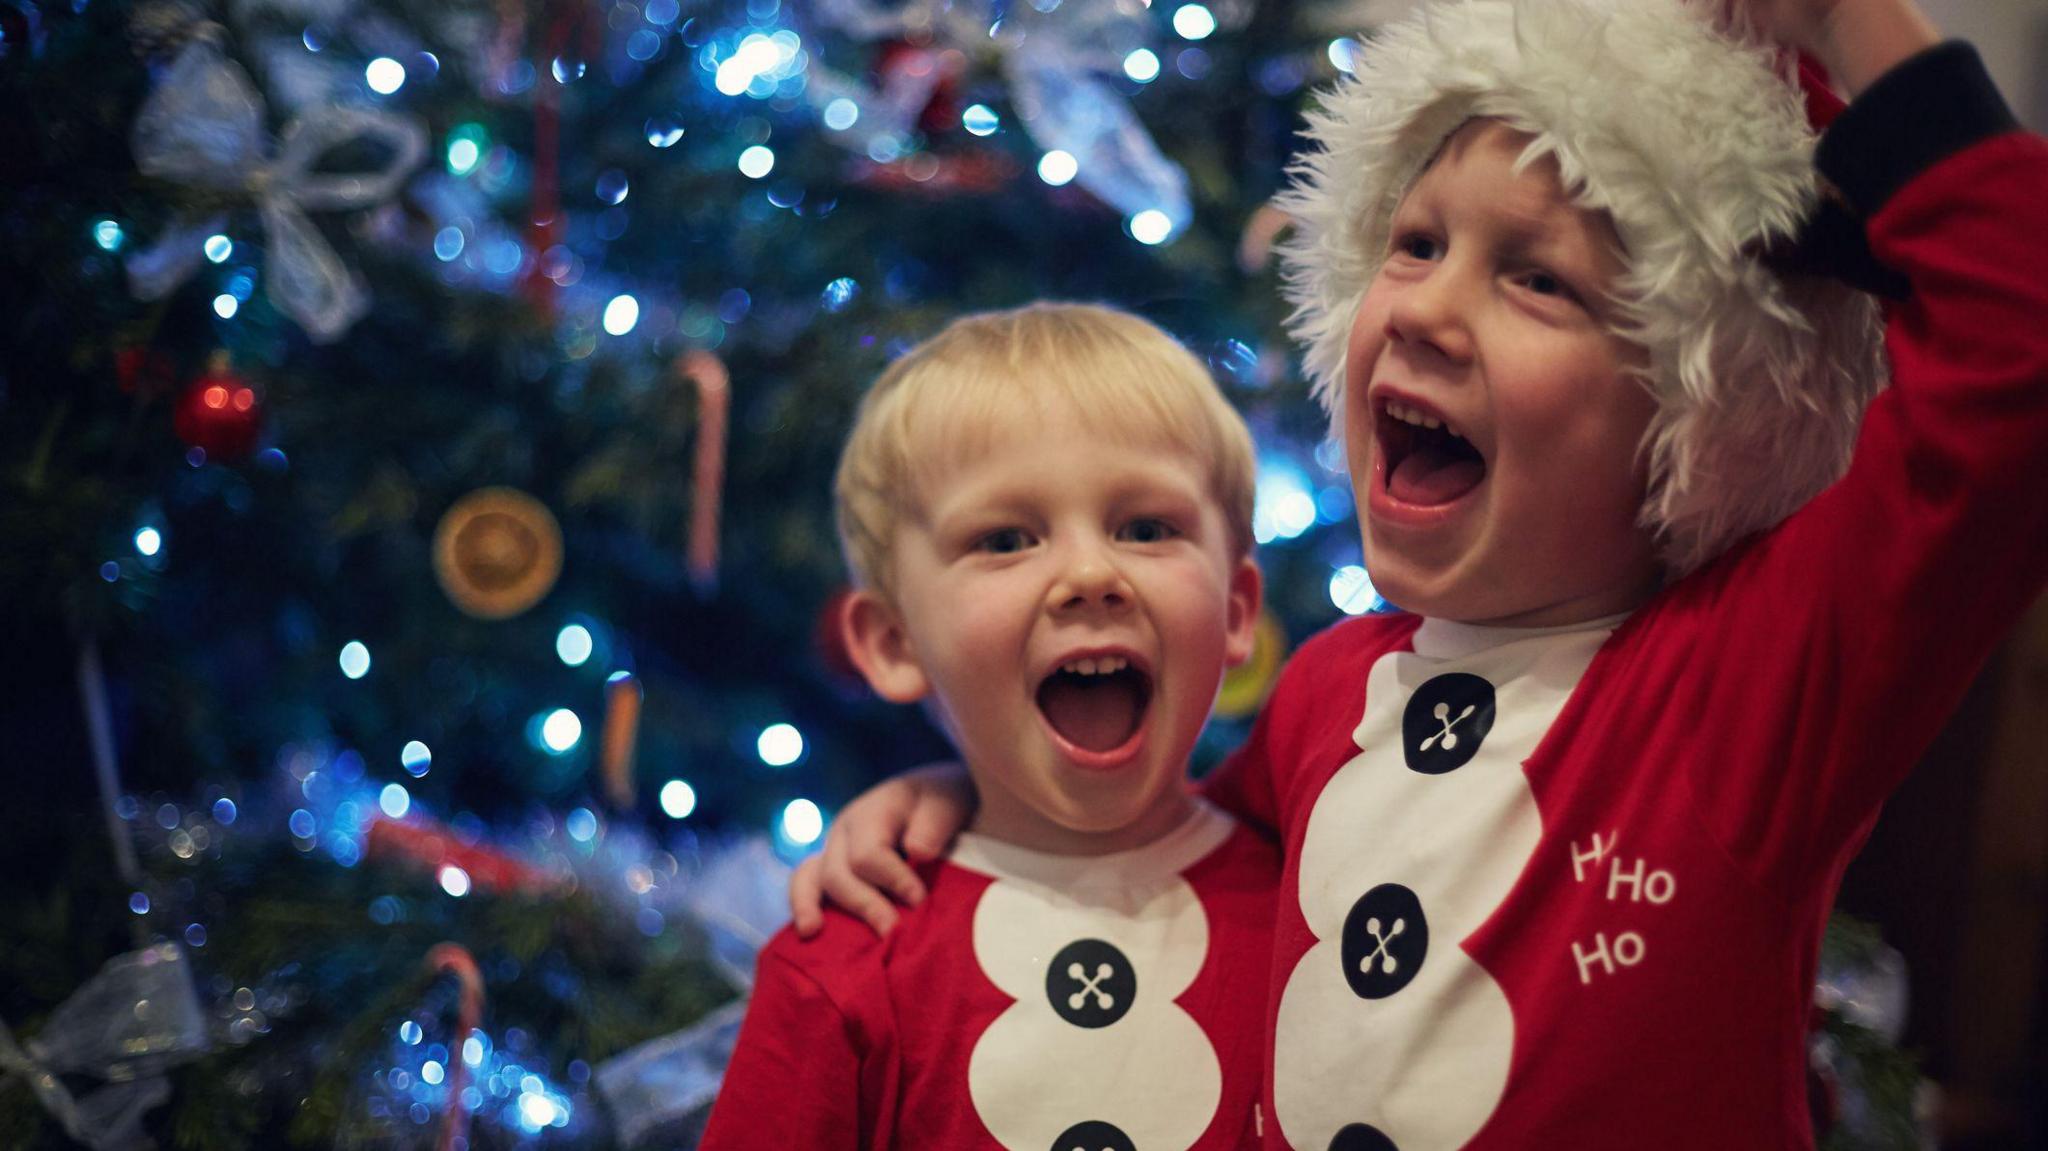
(1057, 167)
(560, 731)
(355, 659)
(838, 294)
(581, 825)
(384, 75)
(416, 758)
(1151, 226)
(779, 745)
(1194, 22)
(621, 315)
(1352, 591)
(573, 645)
(678, 799)
(980, 120)
(1284, 506)
(802, 822)
(841, 114)
(757, 161)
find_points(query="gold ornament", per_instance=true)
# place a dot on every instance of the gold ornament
(497, 551)
(1246, 686)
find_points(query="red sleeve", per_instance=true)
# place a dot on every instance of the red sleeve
(1843, 640)
(795, 1076)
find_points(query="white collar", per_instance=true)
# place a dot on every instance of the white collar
(1202, 832)
(1449, 639)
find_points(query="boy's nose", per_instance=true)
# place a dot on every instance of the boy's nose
(1431, 314)
(1089, 578)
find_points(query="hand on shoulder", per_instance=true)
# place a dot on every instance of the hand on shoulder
(866, 867)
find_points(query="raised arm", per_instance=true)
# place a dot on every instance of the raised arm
(1857, 41)
(1878, 602)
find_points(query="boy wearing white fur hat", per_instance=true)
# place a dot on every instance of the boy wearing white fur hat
(1560, 845)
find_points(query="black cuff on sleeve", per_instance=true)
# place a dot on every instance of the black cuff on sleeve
(1832, 243)
(1925, 110)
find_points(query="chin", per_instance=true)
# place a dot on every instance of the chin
(1411, 585)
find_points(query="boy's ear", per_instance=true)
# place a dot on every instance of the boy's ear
(880, 648)
(1247, 588)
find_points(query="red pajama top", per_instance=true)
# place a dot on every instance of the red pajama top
(1030, 1003)
(1565, 888)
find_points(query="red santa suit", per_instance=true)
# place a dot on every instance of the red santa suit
(1565, 888)
(1031, 1003)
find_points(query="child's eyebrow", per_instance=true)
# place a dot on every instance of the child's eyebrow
(1535, 215)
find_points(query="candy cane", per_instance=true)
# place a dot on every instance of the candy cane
(707, 481)
(454, 959)
(570, 19)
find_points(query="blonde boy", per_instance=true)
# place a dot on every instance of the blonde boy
(1560, 844)
(1047, 514)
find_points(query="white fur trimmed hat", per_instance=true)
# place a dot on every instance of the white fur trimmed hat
(1699, 149)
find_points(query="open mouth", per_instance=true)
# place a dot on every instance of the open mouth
(1096, 704)
(1427, 462)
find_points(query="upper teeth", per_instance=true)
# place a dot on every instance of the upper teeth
(1101, 666)
(1408, 415)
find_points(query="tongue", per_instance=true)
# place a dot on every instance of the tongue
(1431, 475)
(1097, 713)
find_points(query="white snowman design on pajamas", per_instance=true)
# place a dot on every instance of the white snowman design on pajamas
(1389, 1036)
(1094, 1055)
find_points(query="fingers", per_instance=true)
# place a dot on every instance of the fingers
(867, 902)
(869, 858)
(881, 867)
(862, 867)
(940, 806)
(806, 910)
(937, 817)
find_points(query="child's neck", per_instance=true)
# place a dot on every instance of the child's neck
(1005, 818)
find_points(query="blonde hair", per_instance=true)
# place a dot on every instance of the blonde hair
(953, 395)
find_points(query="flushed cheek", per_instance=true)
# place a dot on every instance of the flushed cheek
(1358, 440)
(988, 616)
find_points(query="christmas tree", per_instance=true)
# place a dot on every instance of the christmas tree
(418, 427)
(420, 421)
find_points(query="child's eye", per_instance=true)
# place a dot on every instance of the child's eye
(1546, 284)
(1150, 530)
(1003, 541)
(1417, 246)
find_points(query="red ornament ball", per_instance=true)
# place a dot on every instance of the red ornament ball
(220, 414)
(903, 66)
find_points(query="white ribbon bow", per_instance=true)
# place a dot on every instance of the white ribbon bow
(129, 1024)
(1052, 62)
(203, 126)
